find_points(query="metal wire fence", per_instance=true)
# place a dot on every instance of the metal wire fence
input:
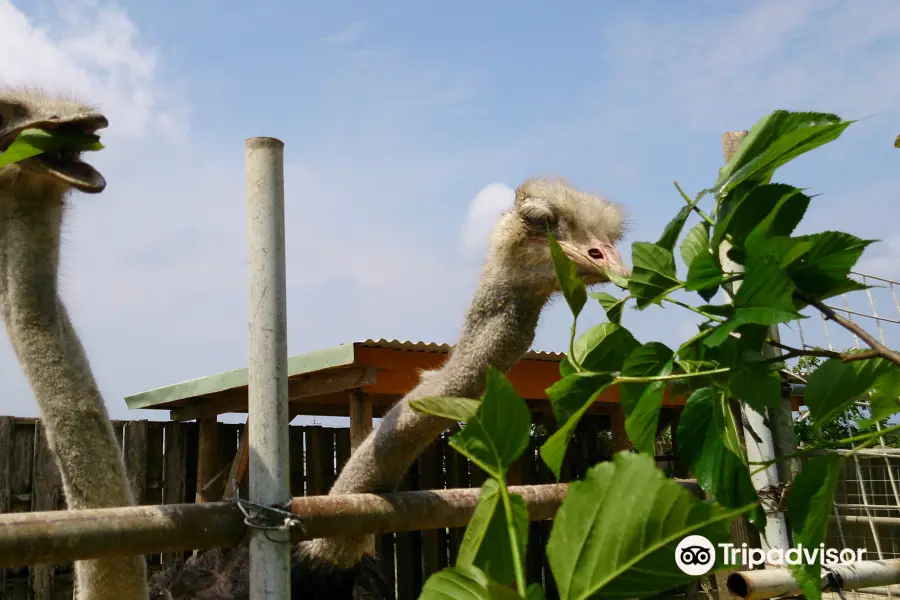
(866, 511)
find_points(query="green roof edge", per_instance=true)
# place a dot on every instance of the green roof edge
(336, 356)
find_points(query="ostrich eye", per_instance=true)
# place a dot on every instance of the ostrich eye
(540, 221)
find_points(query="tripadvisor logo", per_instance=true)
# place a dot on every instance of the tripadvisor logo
(695, 555)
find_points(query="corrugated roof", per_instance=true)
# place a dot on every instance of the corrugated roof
(434, 348)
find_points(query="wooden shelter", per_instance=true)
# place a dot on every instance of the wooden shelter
(362, 380)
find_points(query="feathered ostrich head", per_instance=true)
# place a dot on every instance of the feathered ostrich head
(22, 109)
(587, 228)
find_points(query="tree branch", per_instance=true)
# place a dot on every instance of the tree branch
(798, 352)
(878, 348)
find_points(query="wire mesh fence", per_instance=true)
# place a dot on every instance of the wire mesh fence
(866, 510)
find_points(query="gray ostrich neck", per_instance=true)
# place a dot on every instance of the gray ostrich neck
(73, 415)
(498, 330)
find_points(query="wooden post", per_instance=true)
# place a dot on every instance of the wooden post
(360, 418)
(207, 454)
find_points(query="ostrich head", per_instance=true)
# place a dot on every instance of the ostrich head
(587, 228)
(53, 171)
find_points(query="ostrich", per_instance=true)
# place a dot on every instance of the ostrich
(79, 433)
(517, 282)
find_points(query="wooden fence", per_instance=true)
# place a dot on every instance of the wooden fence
(161, 459)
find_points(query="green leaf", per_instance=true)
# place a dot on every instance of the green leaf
(611, 305)
(748, 316)
(758, 386)
(653, 274)
(642, 401)
(499, 432)
(749, 210)
(572, 286)
(835, 385)
(33, 142)
(603, 348)
(704, 275)
(599, 550)
(464, 583)
(486, 541)
(695, 242)
(809, 507)
(720, 310)
(570, 393)
(782, 221)
(884, 401)
(458, 409)
(709, 444)
(774, 141)
(828, 262)
(477, 529)
(765, 285)
(553, 451)
(673, 229)
(535, 592)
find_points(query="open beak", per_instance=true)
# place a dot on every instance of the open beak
(64, 165)
(597, 261)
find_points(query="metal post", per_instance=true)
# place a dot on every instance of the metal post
(776, 534)
(267, 372)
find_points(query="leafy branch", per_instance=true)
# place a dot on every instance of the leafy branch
(878, 349)
(624, 518)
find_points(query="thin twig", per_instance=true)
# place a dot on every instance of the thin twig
(798, 352)
(880, 349)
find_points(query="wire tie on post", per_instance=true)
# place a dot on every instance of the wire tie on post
(266, 518)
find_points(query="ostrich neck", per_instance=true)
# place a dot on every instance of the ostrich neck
(74, 417)
(498, 330)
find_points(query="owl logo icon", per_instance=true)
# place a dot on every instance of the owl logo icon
(695, 555)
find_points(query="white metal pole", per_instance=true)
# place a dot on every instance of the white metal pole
(268, 390)
(776, 534)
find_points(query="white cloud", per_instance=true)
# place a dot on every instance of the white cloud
(92, 49)
(485, 209)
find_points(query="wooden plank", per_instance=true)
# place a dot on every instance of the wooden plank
(680, 467)
(431, 477)
(298, 461)
(341, 447)
(315, 456)
(299, 388)
(360, 418)
(327, 445)
(409, 548)
(136, 458)
(620, 439)
(7, 426)
(207, 455)
(155, 464)
(239, 464)
(192, 446)
(119, 431)
(534, 552)
(386, 561)
(45, 495)
(457, 476)
(174, 475)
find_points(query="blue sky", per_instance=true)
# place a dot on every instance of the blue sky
(405, 124)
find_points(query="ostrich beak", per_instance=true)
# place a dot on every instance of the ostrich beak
(596, 261)
(64, 165)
